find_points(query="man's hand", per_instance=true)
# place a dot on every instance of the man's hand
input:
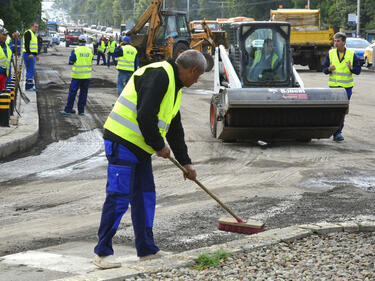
(37, 58)
(349, 65)
(31, 56)
(165, 152)
(331, 67)
(191, 173)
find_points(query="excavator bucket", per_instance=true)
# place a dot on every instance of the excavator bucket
(278, 113)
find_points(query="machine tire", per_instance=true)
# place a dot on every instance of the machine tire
(213, 119)
(66, 45)
(179, 48)
(210, 61)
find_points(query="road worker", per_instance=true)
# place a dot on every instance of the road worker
(111, 46)
(146, 112)
(81, 59)
(5, 58)
(30, 55)
(127, 62)
(101, 51)
(340, 63)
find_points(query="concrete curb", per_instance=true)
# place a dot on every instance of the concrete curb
(188, 258)
(25, 134)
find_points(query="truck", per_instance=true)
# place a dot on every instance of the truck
(309, 42)
(72, 34)
(258, 94)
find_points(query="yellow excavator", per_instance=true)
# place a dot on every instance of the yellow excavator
(161, 34)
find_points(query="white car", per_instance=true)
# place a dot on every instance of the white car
(109, 30)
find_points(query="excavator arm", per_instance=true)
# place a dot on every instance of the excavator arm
(151, 15)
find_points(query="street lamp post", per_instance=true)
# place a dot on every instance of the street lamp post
(358, 16)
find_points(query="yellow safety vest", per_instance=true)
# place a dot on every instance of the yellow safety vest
(341, 76)
(5, 58)
(127, 61)
(8, 40)
(33, 42)
(258, 56)
(101, 47)
(122, 120)
(111, 47)
(82, 68)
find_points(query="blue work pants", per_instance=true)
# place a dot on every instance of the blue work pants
(109, 56)
(128, 181)
(349, 94)
(30, 70)
(83, 86)
(122, 78)
(98, 56)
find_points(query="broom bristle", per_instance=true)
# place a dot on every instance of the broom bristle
(239, 229)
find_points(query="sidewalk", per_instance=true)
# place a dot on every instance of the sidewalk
(24, 127)
(169, 267)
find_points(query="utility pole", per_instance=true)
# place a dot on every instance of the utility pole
(308, 4)
(188, 10)
(358, 16)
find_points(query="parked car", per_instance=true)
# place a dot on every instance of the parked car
(369, 52)
(55, 38)
(103, 28)
(358, 45)
(93, 26)
(109, 30)
(46, 37)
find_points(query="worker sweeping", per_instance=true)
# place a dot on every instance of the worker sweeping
(81, 59)
(146, 112)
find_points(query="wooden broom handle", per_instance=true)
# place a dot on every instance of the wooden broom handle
(182, 168)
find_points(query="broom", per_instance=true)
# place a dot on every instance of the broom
(227, 224)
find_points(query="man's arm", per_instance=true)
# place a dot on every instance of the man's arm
(72, 58)
(356, 68)
(27, 42)
(118, 52)
(176, 140)
(151, 88)
(326, 65)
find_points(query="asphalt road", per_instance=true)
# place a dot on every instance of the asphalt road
(53, 194)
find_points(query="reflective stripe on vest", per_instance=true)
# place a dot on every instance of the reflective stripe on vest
(258, 56)
(341, 76)
(5, 58)
(111, 47)
(127, 60)
(82, 68)
(122, 121)
(33, 42)
(101, 47)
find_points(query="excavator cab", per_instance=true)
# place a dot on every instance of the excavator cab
(260, 96)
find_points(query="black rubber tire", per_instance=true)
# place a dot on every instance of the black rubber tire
(66, 45)
(213, 120)
(210, 61)
(179, 48)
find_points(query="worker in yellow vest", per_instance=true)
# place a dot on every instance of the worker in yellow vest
(264, 63)
(147, 111)
(127, 62)
(30, 55)
(340, 63)
(111, 46)
(81, 59)
(5, 58)
(101, 51)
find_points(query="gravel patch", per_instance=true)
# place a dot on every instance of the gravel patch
(335, 256)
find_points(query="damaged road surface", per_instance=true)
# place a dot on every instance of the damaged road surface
(51, 196)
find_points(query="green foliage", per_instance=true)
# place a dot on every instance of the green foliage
(211, 260)
(20, 14)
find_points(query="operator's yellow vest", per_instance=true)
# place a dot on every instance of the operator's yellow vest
(126, 62)
(258, 56)
(341, 76)
(33, 42)
(101, 47)
(5, 59)
(82, 68)
(111, 47)
(122, 121)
